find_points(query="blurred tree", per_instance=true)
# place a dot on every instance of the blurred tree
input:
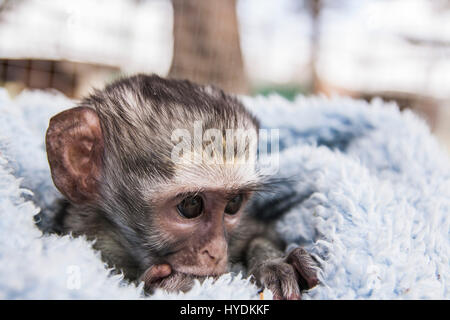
(314, 7)
(206, 44)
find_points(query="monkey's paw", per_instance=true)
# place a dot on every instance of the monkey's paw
(287, 277)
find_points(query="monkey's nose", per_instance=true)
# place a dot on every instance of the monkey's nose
(212, 257)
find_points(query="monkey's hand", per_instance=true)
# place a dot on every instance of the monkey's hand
(286, 277)
(162, 276)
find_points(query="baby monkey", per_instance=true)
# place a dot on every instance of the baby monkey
(160, 213)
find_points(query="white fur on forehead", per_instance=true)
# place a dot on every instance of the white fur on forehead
(199, 177)
(216, 176)
(231, 169)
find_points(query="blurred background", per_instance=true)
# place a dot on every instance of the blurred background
(396, 49)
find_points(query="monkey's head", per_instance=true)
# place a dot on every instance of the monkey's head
(158, 171)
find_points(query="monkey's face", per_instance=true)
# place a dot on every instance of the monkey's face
(129, 155)
(184, 219)
(202, 223)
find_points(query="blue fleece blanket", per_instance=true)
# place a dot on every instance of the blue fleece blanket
(375, 210)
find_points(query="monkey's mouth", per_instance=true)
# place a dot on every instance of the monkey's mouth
(172, 282)
(199, 271)
(166, 277)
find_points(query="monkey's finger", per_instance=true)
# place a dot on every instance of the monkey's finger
(284, 290)
(305, 266)
(156, 272)
(274, 286)
(289, 284)
(282, 279)
(291, 290)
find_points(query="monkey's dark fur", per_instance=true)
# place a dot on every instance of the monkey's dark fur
(115, 203)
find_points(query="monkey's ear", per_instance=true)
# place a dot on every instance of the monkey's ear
(74, 144)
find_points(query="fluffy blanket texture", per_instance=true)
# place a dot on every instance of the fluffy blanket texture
(376, 188)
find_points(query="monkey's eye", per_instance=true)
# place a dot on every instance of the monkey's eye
(190, 207)
(234, 204)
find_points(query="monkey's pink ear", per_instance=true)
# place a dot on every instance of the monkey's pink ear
(74, 144)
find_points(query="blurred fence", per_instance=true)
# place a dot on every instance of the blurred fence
(65, 76)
